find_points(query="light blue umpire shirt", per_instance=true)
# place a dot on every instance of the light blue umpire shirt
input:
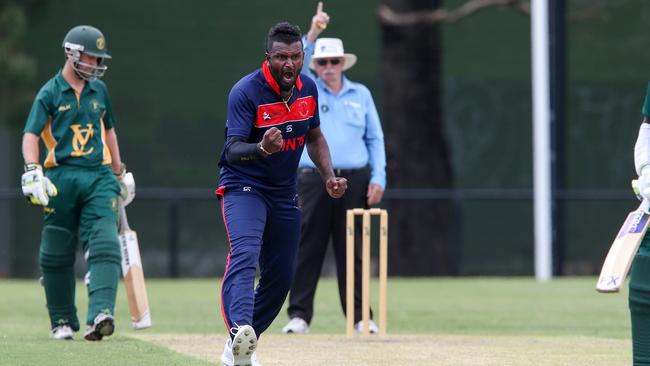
(350, 124)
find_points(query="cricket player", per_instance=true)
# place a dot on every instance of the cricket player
(272, 115)
(78, 185)
(639, 296)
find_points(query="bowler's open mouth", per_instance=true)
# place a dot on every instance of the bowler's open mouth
(288, 76)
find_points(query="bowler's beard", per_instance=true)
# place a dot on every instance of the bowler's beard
(282, 83)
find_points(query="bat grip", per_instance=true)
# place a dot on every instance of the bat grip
(123, 220)
(645, 205)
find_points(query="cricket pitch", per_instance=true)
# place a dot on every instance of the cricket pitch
(442, 350)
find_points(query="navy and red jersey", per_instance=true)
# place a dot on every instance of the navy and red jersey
(254, 106)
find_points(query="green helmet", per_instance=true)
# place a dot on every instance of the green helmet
(89, 40)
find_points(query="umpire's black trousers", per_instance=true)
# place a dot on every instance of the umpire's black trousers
(323, 216)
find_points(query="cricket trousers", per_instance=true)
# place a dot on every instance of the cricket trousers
(639, 303)
(262, 229)
(85, 211)
(323, 216)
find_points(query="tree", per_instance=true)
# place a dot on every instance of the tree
(17, 69)
(418, 155)
(418, 152)
(17, 73)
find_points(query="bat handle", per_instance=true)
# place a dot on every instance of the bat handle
(124, 222)
(645, 205)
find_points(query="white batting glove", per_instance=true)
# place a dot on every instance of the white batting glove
(37, 188)
(127, 186)
(642, 188)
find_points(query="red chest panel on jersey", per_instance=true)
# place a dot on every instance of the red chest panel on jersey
(276, 113)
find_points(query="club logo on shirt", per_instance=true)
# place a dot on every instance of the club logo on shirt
(95, 105)
(64, 108)
(303, 108)
(80, 139)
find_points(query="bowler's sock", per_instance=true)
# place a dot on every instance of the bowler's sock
(102, 289)
(639, 302)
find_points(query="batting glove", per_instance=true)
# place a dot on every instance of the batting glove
(127, 186)
(37, 188)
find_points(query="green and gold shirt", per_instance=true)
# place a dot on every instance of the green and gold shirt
(72, 126)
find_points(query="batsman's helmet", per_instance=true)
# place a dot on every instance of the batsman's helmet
(89, 40)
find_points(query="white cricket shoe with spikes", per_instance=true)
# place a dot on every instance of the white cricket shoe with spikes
(103, 326)
(62, 332)
(240, 351)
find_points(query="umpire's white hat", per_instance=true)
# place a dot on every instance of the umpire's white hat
(332, 48)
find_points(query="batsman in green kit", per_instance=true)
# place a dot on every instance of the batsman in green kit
(78, 185)
(639, 298)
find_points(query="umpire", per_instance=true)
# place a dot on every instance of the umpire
(351, 125)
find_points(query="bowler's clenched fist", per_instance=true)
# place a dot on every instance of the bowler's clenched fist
(336, 186)
(272, 140)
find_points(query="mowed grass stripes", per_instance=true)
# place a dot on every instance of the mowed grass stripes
(438, 321)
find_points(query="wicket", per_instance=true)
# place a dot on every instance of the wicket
(365, 268)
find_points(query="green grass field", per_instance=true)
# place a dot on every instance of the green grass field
(466, 321)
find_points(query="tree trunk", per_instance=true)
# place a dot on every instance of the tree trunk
(418, 156)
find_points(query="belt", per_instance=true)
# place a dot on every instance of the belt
(337, 172)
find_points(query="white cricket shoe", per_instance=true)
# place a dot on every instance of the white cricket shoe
(62, 332)
(103, 326)
(372, 326)
(240, 351)
(296, 325)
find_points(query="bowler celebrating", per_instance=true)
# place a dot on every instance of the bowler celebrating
(272, 114)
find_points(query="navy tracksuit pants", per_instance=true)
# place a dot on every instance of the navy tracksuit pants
(263, 228)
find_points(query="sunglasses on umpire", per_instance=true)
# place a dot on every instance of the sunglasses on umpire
(324, 61)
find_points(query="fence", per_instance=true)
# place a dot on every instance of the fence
(178, 238)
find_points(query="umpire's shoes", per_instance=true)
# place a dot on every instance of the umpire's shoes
(103, 326)
(62, 332)
(296, 325)
(240, 351)
(372, 327)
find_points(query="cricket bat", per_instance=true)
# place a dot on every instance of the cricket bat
(136, 291)
(623, 249)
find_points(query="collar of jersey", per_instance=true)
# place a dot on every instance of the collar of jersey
(347, 86)
(266, 71)
(65, 85)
